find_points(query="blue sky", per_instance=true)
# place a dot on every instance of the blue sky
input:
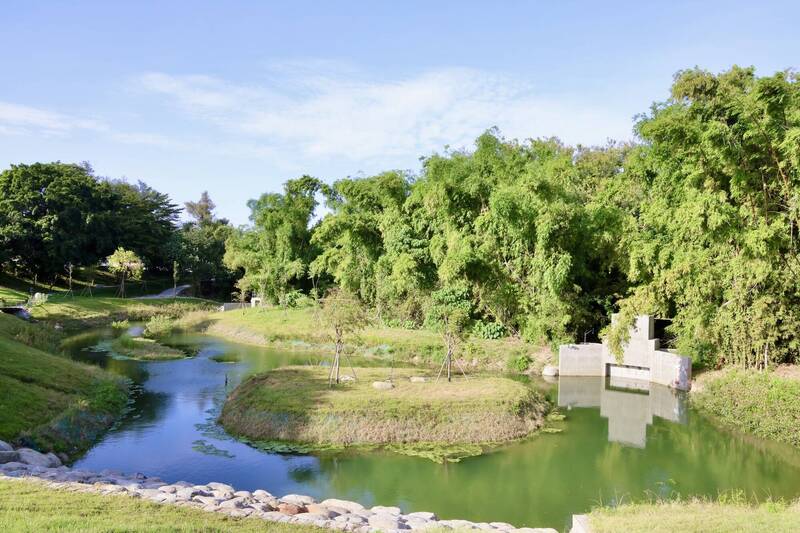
(236, 97)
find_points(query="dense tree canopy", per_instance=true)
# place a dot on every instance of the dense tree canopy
(716, 242)
(275, 252)
(52, 214)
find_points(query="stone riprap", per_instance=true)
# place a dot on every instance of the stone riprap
(334, 514)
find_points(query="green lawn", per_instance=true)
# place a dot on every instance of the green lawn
(12, 295)
(80, 311)
(28, 506)
(696, 517)
(758, 403)
(39, 389)
(300, 328)
(295, 404)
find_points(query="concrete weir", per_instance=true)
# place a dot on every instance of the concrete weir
(642, 359)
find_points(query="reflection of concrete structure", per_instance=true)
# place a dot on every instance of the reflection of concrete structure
(629, 405)
(642, 359)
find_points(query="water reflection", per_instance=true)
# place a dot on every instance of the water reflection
(629, 405)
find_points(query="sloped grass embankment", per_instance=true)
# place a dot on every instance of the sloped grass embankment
(48, 401)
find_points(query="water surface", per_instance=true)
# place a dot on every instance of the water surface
(621, 441)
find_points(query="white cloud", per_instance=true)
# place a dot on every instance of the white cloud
(319, 114)
(21, 119)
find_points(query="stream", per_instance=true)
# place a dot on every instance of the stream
(621, 442)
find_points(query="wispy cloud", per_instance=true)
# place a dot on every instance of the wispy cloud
(22, 119)
(319, 114)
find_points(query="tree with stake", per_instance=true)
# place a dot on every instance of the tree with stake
(127, 265)
(450, 312)
(342, 312)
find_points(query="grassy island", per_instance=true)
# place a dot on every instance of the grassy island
(144, 349)
(437, 420)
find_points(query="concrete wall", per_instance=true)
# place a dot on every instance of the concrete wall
(580, 360)
(642, 352)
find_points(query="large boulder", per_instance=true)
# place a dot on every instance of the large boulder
(550, 371)
(297, 499)
(8, 457)
(32, 457)
(352, 507)
(5, 447)
(382, 385)
(290, 508)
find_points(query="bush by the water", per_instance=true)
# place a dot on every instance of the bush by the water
(159, 326)
(755, 402)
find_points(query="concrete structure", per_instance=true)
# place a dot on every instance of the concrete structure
(642, 359)
(629, 405)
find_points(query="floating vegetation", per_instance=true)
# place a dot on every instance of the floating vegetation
(552, 430)
(555, 416)
(439, 453)
(209, 449)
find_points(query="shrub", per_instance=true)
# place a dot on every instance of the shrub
(121, 324)
(518, 362)
(488, 330)
(159, 326)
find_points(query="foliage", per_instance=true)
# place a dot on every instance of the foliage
(518, 362)
(343, 313)
(159, 326)
(54, 214)
(755, 402)
(715, 244)
(488, 330)
(125, 264)
(274, 254)
(198, 248)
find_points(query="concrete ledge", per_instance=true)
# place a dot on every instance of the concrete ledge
(580, 524)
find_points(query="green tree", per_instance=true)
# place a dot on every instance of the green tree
(715, 244)
(449, 313)
(343, 314)
(275, 252)
(125, 264)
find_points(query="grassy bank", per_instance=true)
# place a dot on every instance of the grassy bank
(83, 311)
(300, 329)
(31, 506)
(48, 401)
(763, 404)
(144, 349)
(439, 420)
(697, 516)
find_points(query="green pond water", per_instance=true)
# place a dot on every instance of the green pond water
(620, 442)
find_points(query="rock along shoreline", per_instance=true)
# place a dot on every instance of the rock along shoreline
(341, 515)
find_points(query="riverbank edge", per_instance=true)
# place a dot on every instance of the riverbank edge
(427, 356)
(754, 403)
(333, 514)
